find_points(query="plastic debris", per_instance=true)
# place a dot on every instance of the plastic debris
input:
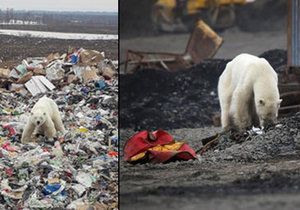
(76, 169)
(84, 179)
(38, 75)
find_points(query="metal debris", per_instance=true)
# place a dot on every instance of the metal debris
(203, 44)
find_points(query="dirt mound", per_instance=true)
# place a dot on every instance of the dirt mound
(185, 99)
(277, 58)
(157, 99)
(282, 140)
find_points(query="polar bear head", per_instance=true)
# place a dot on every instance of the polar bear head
(38, 117)
(267, 111)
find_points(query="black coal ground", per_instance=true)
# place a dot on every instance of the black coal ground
(259, 171)
(153, 99)
(255, 172)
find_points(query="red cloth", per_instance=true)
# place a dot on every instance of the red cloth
(144, 140)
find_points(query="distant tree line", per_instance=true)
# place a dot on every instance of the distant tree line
(58, 18)
(9, 15)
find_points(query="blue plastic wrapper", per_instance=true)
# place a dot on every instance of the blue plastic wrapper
(85, 90)
(74, 59)
(100, 84)
(52, 188)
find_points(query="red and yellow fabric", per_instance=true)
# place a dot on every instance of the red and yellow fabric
(156, 147)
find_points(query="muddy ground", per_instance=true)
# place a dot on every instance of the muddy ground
(217, 181)
(255, 172)
(13, 49)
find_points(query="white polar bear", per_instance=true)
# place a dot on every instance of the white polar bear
(248, 93)
(44, 119)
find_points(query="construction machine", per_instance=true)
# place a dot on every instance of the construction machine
(180, 15)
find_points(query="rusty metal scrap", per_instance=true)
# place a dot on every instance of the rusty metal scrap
(203, 44)
(289, 81)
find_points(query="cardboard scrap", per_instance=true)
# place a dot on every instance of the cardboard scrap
(46, 82)
(38, 71)
(72, 78)
(25, 78)
(91, 57)
(108, 72)
(95, 206)
(38, 84)
(4, 73)
(52, 56)
(89, 75)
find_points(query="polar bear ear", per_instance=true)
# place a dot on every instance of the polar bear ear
(261, 102)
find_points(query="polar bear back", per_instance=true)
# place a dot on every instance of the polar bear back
(247, 69)
(45, 104)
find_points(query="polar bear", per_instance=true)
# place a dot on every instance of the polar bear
(248, 93)
(44, 119)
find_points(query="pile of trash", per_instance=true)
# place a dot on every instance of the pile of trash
(78, 170)
(274, 142)
(153, 99)
(41, 74)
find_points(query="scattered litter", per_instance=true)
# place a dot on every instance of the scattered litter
(39, 75)
(39, 84)
(80, 165)
(255, 130)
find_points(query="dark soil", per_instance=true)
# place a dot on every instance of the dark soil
(185, 99)
(14, 49)
(257, 170)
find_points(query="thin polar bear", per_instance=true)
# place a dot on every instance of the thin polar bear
(248, 93)
(44, 119)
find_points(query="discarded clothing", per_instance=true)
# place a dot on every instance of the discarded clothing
(156, 147)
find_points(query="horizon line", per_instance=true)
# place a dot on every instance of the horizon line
(45, 10)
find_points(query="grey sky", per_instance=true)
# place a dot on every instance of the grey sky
(61, 5)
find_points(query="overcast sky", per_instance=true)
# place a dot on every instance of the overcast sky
(61, 5)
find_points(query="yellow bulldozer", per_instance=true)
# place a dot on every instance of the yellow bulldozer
(180, 15)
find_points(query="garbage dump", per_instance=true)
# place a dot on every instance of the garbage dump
(79, 169)
(182, 99)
